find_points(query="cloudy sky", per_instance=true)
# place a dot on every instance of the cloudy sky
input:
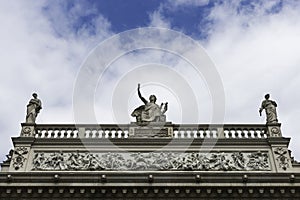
(253, 44)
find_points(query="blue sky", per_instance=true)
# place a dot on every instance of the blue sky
(191, 17)
(254, 45)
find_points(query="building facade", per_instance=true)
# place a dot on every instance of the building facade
(160, 160)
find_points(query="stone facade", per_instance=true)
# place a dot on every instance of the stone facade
(167, 161)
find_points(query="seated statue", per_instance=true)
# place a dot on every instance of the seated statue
(150, 112)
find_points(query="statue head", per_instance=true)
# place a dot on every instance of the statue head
(267, 96)
(152, 98)
(34, 95)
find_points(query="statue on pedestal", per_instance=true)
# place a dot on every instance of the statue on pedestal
(270, 108)
(150, 112)
(33, 108)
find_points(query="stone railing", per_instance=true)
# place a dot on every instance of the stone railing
(234, 131)
(220, 131)
(81, 131)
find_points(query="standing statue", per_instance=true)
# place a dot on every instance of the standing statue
(33, 108)
(270, 108)
(150, 112)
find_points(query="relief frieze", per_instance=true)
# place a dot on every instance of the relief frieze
(141, 161)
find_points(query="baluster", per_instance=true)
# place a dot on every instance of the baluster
(188, 133)
(106, 133)
(62, 133)
(113, 133)
(119, 133)
(175, 132)
(243, 133)
(181, 133)
(264, 133)
(46, 133)
(208, 132)
(125, 133)
(248, 133)
(58, 135)
(109, 133)
(87, 132)
(40, 133)
(254, 134)
(226, 133)
(36, 135)
(258, 133)
(50, 131)
(204, 134)
(71, 133)
(94, 133)
(214, 133)
(52, 134)
(231, 133)
(195, 132)
(101, 133)
(75, 133)
(201, 133)
(65, 133)
(238, 133)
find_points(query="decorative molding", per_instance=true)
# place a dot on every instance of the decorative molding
(27, 131)
(125, 192)
(274, 131)
(162, 161)
(282, 157)
(19, 159)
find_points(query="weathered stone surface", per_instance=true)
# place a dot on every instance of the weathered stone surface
(282, 157)
(19, 158)
(118, 161)
(150, 111)
(270, 107)
(33, 108)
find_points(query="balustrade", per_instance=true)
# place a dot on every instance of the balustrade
(230, 131)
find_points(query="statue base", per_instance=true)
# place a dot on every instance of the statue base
(152, 129)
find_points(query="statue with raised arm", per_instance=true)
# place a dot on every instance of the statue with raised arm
(33, 108)
(270, 107)
(150, 112)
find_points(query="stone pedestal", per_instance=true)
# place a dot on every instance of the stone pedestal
(154, 129)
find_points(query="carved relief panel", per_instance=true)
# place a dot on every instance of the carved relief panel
(133, 161)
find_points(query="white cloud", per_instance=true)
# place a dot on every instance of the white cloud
(257, 52)
(254, 52)
(177, 3)
(157, 20)
(255, 48)
(35, 58)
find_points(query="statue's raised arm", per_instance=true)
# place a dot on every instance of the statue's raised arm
(140, 95)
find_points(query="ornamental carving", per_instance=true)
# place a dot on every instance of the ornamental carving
(19, 159)
(26, 131)
(282, 157)
(119, 161)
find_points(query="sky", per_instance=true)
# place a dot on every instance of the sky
(254, 46)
